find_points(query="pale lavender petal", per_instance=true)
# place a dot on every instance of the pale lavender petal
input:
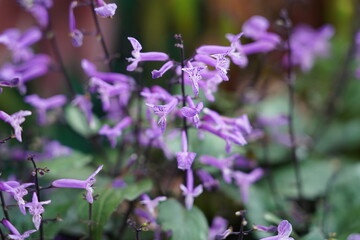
(255, 27)
(69, 183)
(159, 73)
(106, 11)
(153, 56)
(41, 15)
(185, 159)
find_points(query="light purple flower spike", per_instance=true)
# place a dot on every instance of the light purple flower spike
(15, 120)
(113, 133)
(43, 105)
(284, 230)
(244, 180)
(36, 209)
(185, 158)
(141, 57)
(15, 233)
(75, 183)
(188, 191)
(75, 34)
(151, 204)
(17, 191)
(105, 10)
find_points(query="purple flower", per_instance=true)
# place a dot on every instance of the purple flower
(354, 236)
(284, 230)
(207, 180)
(188, 191)
(15, 120)
(19, 44)
(113, 133)
(159, 73)
(163, 110)
(185, 158)
(75, 34)
(90, 70)
(15, 233)
(244, 180)
(39, 10)
(219, 61)
(43, 105)
(141, 57)
(256, 28)
(75, 183)
(194, 75)
(192, 111)
(225, 165)
(307, 44)
(17, 191)
(151, 204)
(85, 105)
(105, 10)
(36, 209)
(218, 226)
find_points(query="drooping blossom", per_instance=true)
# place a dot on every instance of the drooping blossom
(84, 184)
(105, 10)
(151, 204)
(39, 10)
(36, 209)
(164, 68)
(143, 56)
(218, 226)
(113, 133)
(19, 44)
(188, 191)
(17, 191)
(307, 44)
(185, 158)
(15, 120)
(244, 180)
(163, 110)
(192, 111)
(284, 230)
(75, 34)
(43, 105)
(15, 233)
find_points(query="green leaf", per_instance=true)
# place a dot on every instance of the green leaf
(184, 224)
(77, 120)
(315, 234)
(108, 201)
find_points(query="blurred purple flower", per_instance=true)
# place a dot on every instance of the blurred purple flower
(84, 184)
(354, 236)
(244, 180)
(39, 10)
(185, 158)
(17, 191)
(85, 105)
(307, 44)
(43, 105)
(218, 226)
(151, 204)
(207, 180)
(284, 230)
(113, 133)
(15, 233)
(256, 28)
(19, 44)
(188, 191)
(15, 120)
(36, 209)
(225, 165)
(141, 57)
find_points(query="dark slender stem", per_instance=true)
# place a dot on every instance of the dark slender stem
(100, 34)
(55, 47)
(137, 234)
(37, 187)
(290, 83)
(182, 61)
(6, 139)
(90, 221)
(4, 207)
(126, 217)
(2, 234)
(242, 219)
